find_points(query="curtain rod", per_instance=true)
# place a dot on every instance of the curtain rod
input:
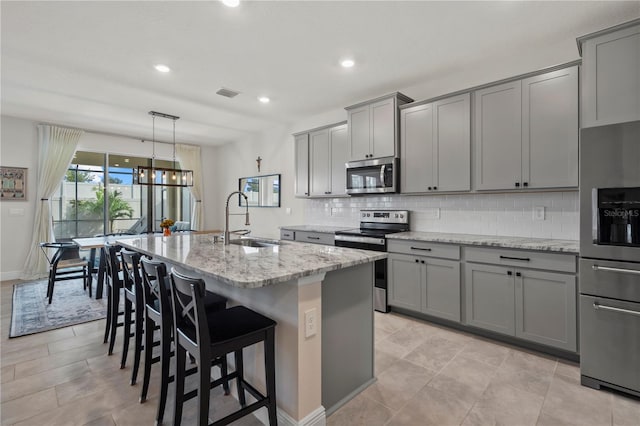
(119, 135)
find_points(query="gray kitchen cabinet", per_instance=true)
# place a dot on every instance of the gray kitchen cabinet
(550, 129)
(498, 140)
(526, 133)
(416, 145)
(545, 305)
(435, 146)
(320, 162)
(338, 142)
(286, 234)
(490, 298)
(611, 75)
(373, 127)
(424, 284)
(301, 142)
(315, 237)
(406, 277)
(538, 306)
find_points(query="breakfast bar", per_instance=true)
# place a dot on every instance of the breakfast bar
(320, 296)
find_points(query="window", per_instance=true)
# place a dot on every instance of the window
(97, 196)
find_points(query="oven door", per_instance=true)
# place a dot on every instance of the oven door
(372, 176)
(380, 266)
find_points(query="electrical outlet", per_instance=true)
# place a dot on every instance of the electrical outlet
(288, 210)
(310, 323)
(538, 213)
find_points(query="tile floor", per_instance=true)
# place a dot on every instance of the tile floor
(426, 375)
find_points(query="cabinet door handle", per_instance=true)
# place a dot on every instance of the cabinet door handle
(518, 274)
(420, 248)
(525, 184)
(313, 238)
(429, 188)
(509, 273)
(621, 270)
(517, 184)
(422, 261)
(417, 260)
(596, 306)
(524, 259)
(435, 187)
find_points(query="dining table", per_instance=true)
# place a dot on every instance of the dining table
(93, 244)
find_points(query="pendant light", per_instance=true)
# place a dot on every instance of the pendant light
(162, 176)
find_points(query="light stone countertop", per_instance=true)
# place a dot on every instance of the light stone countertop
(539, 244)
(248, 267)
(317, 228)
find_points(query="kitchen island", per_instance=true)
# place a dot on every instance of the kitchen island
(329, 289)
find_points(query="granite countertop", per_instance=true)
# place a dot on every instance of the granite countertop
(539, 244)
(248, 267)
(317, 228)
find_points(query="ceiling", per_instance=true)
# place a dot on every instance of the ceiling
(91, 64)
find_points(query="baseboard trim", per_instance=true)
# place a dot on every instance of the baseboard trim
(10, 275)
(350, 396)
(316, 418)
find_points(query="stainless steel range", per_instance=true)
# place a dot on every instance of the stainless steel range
(610, 257)
(374, 226)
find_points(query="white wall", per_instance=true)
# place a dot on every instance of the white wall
(18, 148)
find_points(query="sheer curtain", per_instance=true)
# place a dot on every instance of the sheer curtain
(190, 159)
(56, 146)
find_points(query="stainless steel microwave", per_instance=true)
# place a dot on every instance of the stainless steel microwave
(372, 176)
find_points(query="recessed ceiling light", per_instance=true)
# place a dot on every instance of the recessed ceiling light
(126, 160)
(162, 68)
(347, 63)
(231, 3)
(264, 99)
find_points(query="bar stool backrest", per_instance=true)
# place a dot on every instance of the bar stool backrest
(189, 316)
(132, 277)
(112, 264)
(156, 287)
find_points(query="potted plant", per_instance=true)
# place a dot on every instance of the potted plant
(166, 225)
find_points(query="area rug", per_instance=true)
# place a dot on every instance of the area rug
(31, 312)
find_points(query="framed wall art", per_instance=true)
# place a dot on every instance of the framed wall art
(14, 184)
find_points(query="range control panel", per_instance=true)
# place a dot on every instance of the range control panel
(384, 216)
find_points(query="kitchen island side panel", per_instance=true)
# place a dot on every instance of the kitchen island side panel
(347, 334)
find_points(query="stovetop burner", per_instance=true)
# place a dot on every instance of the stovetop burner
(378, 223)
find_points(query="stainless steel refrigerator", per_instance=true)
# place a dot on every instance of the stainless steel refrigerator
(610, 257)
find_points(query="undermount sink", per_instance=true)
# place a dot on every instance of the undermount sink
(253, 242)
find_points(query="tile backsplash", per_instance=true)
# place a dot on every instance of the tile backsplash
(540, 215)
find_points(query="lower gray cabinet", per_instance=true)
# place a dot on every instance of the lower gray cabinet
(489, 297)
(315, 237)
(424, 284)
(546, 308)
(533, 305)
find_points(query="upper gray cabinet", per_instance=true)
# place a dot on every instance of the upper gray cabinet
(373, 127)
(301, 142)
(435, 146)
(611, 75)
(526, 133)
(320, 162)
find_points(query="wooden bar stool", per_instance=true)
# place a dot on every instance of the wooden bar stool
(133, 305)
(158, 316)
(114, 286)
(209, 335)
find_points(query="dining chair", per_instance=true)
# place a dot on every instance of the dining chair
(65, 264)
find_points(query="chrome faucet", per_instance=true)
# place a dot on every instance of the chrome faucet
(227, 214)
